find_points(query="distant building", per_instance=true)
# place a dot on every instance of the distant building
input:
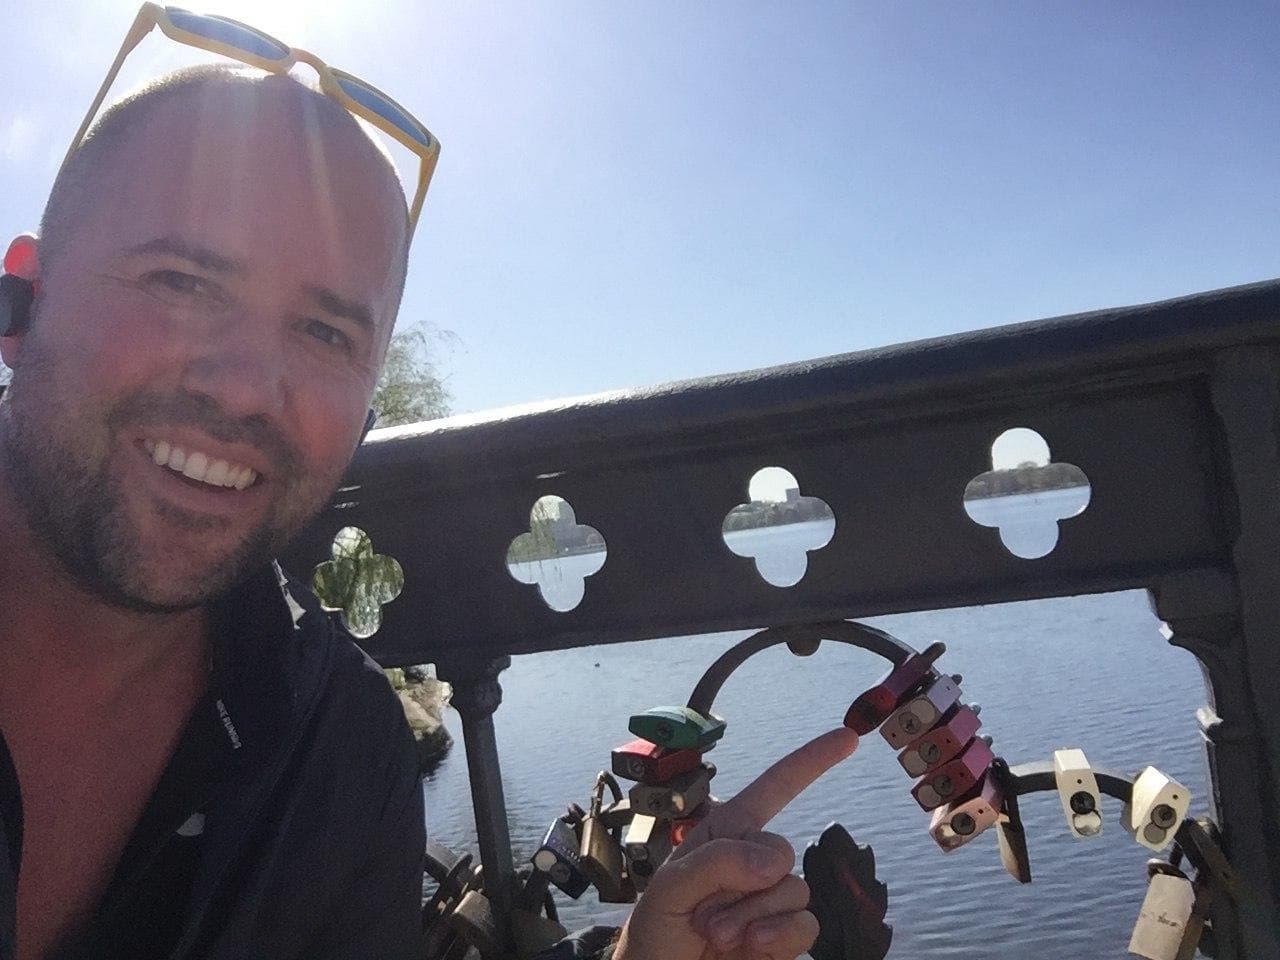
(792, 494)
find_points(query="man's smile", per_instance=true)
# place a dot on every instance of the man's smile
(197, 465)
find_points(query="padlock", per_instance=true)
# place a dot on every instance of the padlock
(599, 853)
(954, 778)
(873, 706)
(1156, 808)
(533, 933)
(956, 823)
(920, 713)
(678, 797)
(680, 828)
(647, 842)
(944, 741)
(648, 762)
(558, 858)
(1011, 835)
(1168, 927)
(679, 728)
(476, 920)
(1078, 791)
(617, 815)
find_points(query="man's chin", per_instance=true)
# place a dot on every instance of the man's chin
(168, 581)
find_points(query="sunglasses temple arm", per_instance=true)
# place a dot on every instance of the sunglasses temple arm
(425, 172)
(142, 25)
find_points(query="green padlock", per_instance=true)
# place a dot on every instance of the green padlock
(679, 728)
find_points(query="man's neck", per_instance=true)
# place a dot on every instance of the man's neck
(55, 628)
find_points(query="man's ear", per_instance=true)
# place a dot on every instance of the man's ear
(18, 288)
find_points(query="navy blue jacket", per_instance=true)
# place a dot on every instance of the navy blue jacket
(309, 843)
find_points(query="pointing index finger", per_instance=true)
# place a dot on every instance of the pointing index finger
(766, 796)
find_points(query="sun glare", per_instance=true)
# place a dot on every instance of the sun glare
(287, 20)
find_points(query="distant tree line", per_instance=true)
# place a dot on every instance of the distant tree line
(549, 538)
(763, 513)
(1025, 478)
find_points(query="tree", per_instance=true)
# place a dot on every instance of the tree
(410, 389)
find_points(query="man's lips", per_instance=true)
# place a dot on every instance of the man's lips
(199, 466)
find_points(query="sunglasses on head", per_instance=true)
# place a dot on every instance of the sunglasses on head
(230, 38)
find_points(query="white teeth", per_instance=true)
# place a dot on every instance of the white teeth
(217, 473)
(200, 466)
(196, 466)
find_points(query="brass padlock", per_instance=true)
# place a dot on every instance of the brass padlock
(600, 854)
(477, 921)
(534, 933)
(1168, 926)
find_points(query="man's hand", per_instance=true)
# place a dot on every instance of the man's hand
(728, 890)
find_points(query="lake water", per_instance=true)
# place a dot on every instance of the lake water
(1089, 672)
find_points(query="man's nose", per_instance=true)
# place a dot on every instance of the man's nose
(241, 369)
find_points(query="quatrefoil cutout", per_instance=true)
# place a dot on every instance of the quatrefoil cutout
(1026, 495)
(357, 582)
(557, 553)
(777, 527)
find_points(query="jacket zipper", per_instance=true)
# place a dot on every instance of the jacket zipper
(198, 911)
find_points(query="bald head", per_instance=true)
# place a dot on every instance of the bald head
(231, 117)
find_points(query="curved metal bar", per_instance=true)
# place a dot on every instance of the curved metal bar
(1036, 777)
(803, 640)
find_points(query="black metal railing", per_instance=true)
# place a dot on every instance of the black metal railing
(1171, 410)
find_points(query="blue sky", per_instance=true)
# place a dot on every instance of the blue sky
(635, 193)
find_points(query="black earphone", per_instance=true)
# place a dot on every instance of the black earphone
(16, 295)
(369, 419)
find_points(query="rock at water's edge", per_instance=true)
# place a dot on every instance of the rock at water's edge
(424, 699)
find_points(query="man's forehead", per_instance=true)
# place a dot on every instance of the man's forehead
(249, 177)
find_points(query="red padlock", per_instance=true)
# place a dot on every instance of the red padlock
(650, 763)
(944, 741)
(954, 778)
(873, 706)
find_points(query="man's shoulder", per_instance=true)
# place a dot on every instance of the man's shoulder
(279, 626)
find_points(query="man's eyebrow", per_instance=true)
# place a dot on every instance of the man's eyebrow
(337, 306)
(200, 256)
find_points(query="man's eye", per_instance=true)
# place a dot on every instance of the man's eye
(184, 284)
(328, 335)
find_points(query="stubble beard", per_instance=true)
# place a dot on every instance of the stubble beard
(76, 507)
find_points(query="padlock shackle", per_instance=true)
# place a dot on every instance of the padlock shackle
(801, 639)
(604, 779)
(1040, 776)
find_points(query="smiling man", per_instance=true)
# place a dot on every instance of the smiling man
(199, 775)
(194, 761)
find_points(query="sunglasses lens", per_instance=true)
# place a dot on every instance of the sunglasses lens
(373, 100)
(229, 32)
